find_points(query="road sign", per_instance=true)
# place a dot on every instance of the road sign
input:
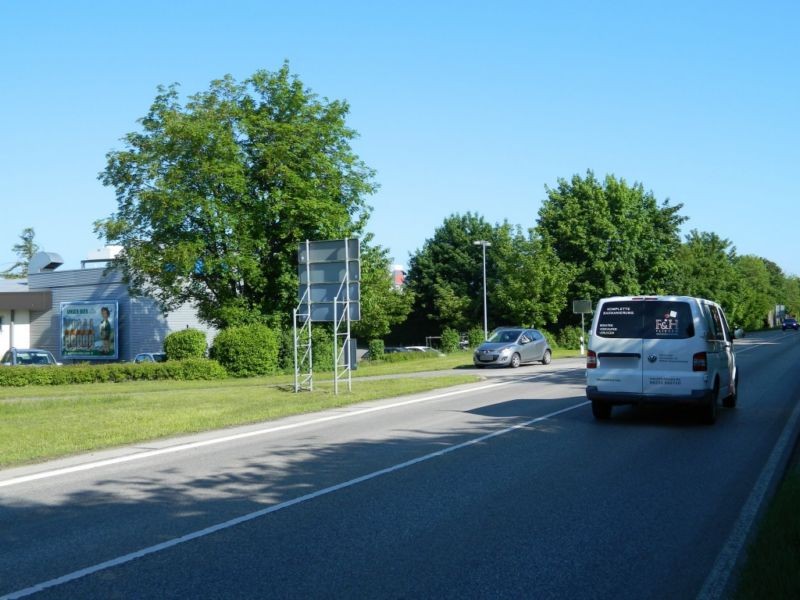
(580, 307)
(329, 272)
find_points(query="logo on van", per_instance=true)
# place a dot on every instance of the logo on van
(652, 358)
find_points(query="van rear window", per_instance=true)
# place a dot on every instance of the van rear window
(645, 319)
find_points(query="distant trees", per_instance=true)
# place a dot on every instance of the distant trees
(531, 283)
(592, 239)
(445, 276)
(24, 250)
(382, 305)
(616, 238)
(526, 281)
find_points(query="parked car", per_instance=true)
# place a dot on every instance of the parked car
(789, 323)
(660, 350)
(28, 356)
(387, 350)
(424, 349)
(512, 346)
(150, 357)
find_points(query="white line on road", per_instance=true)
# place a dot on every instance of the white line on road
(239, 436)
(260, 513)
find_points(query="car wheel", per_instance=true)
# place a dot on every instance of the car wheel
(708, 413)
(548, 356)
(515, 361)
(601, 410)
(730, 401)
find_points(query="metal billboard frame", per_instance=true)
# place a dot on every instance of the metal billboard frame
(328, 291)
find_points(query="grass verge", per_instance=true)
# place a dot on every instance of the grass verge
(451, 361)
(772, 569)
(45, 422)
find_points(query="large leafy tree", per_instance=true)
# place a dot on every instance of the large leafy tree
(214, 196)
(531, 282)
(754, 296)
(382, 304)
(616, 237)
(24, 250)
(707, 269)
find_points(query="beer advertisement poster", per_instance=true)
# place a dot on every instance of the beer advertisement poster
(89, 330)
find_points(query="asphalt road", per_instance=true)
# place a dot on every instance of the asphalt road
(503, 489)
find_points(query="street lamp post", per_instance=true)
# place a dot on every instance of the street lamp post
(483, 244)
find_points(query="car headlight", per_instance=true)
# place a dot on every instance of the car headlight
(505, 351)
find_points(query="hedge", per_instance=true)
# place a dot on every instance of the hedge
(181, 370)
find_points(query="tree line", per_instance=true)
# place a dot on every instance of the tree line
(214, 196)
(592, 239)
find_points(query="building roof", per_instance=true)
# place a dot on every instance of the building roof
(13, 285)
(16, 294)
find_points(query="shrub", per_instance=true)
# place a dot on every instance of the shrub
(450, 340)
(182, 370)
(186, 343)
(569, 337)
(551, 339)
(375, 348)
(475, 337)
(322, 347)
(247, 350)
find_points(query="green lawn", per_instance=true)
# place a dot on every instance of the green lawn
(772, 569)
(45, 422)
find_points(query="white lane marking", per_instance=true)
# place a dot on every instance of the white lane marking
(759, 343)
(239, 436)
(717, 580)
(260, 513)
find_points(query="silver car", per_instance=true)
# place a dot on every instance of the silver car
(512, 346)
(28, 356)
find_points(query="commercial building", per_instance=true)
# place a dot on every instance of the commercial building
(85, 314)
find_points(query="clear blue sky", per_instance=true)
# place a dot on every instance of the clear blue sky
(461, 106)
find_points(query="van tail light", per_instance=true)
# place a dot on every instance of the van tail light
(700, 362)
(591, 359)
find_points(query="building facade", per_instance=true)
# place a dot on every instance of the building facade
(31, 313)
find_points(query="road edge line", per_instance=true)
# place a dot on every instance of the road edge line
(718, 582)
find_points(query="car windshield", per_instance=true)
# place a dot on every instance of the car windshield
(505, 336)
(33, 358)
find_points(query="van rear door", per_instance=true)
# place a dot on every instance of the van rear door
(668, 348)
(618, 344)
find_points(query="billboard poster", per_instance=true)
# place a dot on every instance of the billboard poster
(89, 330)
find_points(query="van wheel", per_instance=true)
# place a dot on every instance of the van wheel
(708, 412)
(730, 401)
(515, 361)
(548, 356)
(601, 410)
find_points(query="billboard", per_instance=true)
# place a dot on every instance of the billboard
(89, 330)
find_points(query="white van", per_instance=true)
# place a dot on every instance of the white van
(660, 349)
